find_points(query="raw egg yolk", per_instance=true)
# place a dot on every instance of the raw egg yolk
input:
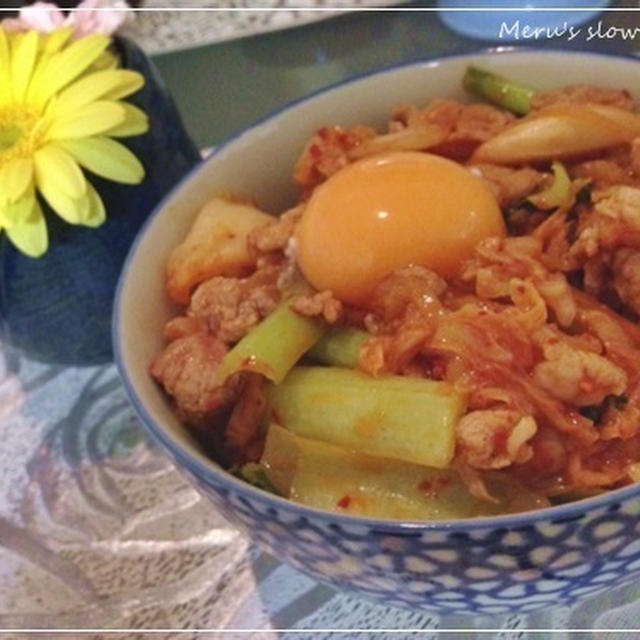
(389, 211)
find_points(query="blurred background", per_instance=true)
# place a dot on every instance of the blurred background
(229, 67)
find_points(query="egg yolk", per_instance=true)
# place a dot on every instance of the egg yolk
(389, 211)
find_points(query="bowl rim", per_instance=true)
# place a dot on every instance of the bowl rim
(209, 475)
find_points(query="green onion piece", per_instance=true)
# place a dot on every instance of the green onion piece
(333, 478)
(498, 90)
(404, 418)
(273, 347)
(339, 347)
(558, 193)
(255, 474)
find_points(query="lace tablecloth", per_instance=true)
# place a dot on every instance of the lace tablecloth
(98, 530)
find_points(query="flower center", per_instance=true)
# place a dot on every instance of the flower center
(17, 128)
(9, 135)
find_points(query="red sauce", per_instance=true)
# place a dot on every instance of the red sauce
(432, 488)
(324, 133)
(586, 385)
(438, 369)
(500, 438)
(344, 502)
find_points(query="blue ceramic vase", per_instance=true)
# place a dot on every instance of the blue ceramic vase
(57, 308)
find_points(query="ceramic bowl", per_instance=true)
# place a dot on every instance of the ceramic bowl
(487, 565)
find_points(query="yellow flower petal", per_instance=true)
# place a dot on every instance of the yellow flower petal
(130, 82)
(15, 177)
(66, 65)
(89, 120)
(97, 214)
(54, 165)
(135, 123)
(52, 44)
(13, 212)
(23, 60)
(110, 85)
(105, 61)
(5, 87)
(73, 211)
(55, 40)
(87, 211)
(106, 158)
(30, 235)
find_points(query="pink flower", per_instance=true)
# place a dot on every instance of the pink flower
(91, 16)
(103, 22)
(41, 16)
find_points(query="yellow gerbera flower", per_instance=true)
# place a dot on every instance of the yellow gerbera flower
(60, 108)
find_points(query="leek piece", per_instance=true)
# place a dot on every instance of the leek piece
(255, 475)
(329, 477)
(409, 419)
(558, 193)
(339, 347)
(273, 347)
(280, 458)
(498, 90)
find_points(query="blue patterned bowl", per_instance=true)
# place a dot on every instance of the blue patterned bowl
(487, 565)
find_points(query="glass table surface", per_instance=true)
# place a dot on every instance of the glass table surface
(98, 530)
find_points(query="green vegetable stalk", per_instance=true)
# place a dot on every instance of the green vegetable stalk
(498, 90)
(273, 347)
(333, 478)
(397, 417)
(256, 475)
(339, 347)
(558, 193)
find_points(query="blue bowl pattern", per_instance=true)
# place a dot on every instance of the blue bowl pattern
(479, 569)
(508, 564)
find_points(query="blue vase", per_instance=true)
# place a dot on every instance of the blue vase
(57, 308)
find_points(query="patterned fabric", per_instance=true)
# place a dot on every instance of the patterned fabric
(164, 31)
(98, 530)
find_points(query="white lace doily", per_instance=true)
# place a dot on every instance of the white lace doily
(173, 30)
